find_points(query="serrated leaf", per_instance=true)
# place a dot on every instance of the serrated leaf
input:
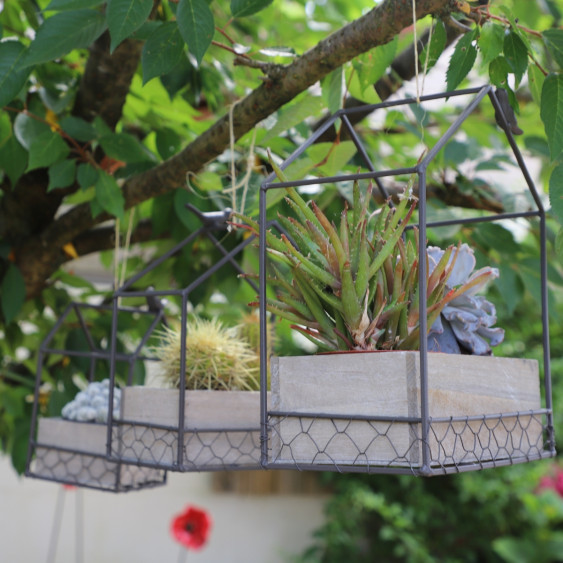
(124, 17)
(436, 46)
(63, 33)
(109, 195)
(498, 72)
(162, 51)
(552, 113)
(516, 55)
(13, 159)
(61, 5)
(45, 150)
(12, 76)
(124, 147)
(244, 8)
(462, 60)
(535, 80)
(554, 41)
(61, 174)
(556, 192)
(295, 114)
(86, 175)
(12, 292)
(491, 41)
(78, 128)
(331, 88)
(196, 25)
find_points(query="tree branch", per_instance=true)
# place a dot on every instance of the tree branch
(377, 27)
(107, 79)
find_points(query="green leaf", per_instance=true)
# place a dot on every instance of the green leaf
(61, 174)
(491, 41)
(12, 293)
(498, 72)
(306, 107)
(436, 47)
(559, 244)
(535, 80)
(109, 195)
(13, 159)
(26, 129)
(552, 113)
(162, 51)
(124, 17)
(243, 8)
(556, 192)
(371, 66)
(12, 76)
(61, 5)
(196, 25)
(516, 55)
(63, 33)
(462, 60)
(332, 90)
(78, 128)
(46, 149)
(124, 147)
(208, 182)
(86, 175)
(554, 41)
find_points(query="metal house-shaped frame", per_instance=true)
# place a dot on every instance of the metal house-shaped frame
(307, 437)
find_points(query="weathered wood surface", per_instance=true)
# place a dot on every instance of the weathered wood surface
(222, 428)
(83, 466)
(387, 384)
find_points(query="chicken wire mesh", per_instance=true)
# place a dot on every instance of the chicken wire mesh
(439, 428)
(179, 429)
(74, 451)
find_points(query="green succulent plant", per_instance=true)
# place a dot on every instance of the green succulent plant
(354, 286)
(217, 357)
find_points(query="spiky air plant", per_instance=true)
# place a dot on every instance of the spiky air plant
(355, 286)
(466, 322)
(217, 357)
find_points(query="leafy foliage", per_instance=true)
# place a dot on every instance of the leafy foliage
(130, 134)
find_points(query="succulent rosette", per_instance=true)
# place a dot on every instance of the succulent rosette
(468, 318)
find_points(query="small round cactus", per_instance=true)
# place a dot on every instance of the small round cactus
(217, 357)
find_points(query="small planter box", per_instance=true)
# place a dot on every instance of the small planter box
(367, 392)
(75, 453)
(221, 429)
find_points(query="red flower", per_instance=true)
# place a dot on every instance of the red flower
(191, 528)
(554, 482)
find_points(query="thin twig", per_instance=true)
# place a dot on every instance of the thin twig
(230, 49)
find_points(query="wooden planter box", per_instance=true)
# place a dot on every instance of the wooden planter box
(387, 385)
(74, 452)
(221, 429)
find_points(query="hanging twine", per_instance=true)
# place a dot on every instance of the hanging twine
(245, 181)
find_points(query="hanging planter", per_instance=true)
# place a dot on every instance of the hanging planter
(408, 408)
(72, 449)
(207, 418)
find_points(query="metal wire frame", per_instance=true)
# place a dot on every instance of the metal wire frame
(167, 446)
(427, 467)
(53, 459)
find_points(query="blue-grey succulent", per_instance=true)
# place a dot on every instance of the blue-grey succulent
(91, 405)
(466, 322)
